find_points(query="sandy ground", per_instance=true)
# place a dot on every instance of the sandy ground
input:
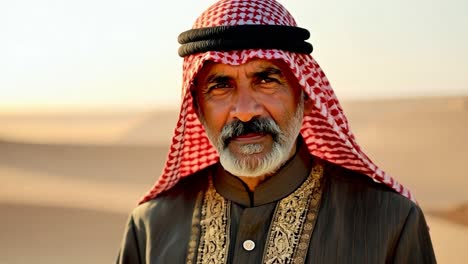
(64, 198)
(48, 234)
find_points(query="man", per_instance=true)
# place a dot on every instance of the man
(263, 167)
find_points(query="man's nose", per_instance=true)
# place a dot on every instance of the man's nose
(245, 106)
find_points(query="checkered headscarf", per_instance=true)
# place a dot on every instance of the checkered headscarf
(325, 131)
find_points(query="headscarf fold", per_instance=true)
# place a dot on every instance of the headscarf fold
(325, 131)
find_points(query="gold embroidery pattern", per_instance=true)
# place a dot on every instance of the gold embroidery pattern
(290, 232)
(195, 232)
(314, 204)
(214, 224)
(293, 222)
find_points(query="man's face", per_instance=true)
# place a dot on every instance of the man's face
(252, 114)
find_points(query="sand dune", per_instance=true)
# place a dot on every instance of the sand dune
(449, 240)
(105, 163)
(102, 177)
(70, 180)
(456, 214)
(77, 127)
(46, 234)
(423, 143)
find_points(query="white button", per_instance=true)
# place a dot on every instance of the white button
(248, 245)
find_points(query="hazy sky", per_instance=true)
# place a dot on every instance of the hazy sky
(107, 53)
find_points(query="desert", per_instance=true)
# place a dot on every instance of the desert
(70, 179)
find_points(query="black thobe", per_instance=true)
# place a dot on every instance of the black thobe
(359, 221)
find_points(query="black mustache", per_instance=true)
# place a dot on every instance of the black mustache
(257, 125)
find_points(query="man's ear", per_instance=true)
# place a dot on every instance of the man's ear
(308, 104)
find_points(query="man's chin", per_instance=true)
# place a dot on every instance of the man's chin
(252, 165)
(243, 168)
(253, 159)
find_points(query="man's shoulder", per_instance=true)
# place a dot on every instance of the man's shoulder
(356, 212)
(354, 199)
(177, 199)
(362, 188)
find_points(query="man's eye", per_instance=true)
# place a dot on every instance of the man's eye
(219, 88)
(268, 81)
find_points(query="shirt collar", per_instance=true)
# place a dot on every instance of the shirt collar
(284, 182)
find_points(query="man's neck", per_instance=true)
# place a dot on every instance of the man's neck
(253, 182)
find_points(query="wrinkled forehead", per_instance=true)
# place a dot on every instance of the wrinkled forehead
(211, 68)
(212, 72)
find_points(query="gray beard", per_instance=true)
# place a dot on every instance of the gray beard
(250, 166)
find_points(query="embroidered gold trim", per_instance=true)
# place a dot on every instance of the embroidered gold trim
(214, 225)
(294, 221)
(195, 232)
(290, 231)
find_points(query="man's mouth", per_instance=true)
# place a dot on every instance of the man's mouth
(249, 137)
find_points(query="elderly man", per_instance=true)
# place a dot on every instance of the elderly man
(263, 167)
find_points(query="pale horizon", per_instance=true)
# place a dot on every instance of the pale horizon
(123, 55)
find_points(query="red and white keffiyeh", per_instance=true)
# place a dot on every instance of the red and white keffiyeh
(325, 131)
